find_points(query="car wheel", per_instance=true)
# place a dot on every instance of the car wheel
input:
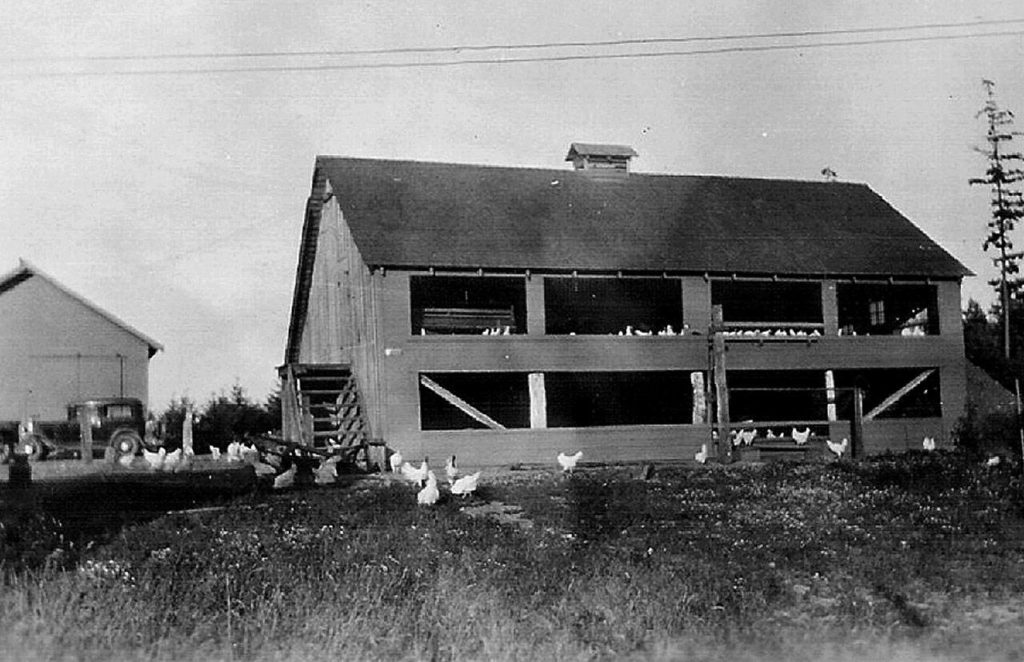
(32, 447)
(126, 443)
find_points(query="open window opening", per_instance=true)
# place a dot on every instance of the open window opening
(777, 395)
(892, 392)
(468, 305)
(474, 400)
(882, 309)
(587, 399)
(622, 306)
(769, 306)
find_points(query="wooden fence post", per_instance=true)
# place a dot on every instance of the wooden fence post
(857, 424)
(724, 450)
(86, 413)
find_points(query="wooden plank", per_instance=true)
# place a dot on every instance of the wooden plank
(461, 404)
(830, 395)
(721, 385)
(538, 401)
(700, 403)
(895, 397)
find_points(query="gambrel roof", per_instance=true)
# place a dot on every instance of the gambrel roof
(416, 215)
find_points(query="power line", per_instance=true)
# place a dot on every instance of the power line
(521, 60)
(510, 47)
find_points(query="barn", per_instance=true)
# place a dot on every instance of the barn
(57, 347)
(506, 314)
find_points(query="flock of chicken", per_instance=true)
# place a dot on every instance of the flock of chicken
(746, 437)
(426, 480)
(773, 333)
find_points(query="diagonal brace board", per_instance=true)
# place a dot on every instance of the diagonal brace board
(461, 404)
(895, 397)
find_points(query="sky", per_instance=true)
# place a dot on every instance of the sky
(174, 199)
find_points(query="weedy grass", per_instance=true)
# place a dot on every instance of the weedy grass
(911, 557)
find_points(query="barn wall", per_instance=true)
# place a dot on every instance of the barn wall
(403, 357)
(342, 320)
(56, 349)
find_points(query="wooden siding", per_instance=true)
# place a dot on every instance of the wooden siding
(342, 324)
(56, 349)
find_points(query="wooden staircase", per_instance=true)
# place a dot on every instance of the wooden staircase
(331, 411)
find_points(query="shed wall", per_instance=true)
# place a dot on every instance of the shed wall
(54, 349)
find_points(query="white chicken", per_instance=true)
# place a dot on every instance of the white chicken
(396, 461)
(702, 455)
(214, 453)
(286, 479)
(234, 452)
(414, 475)
(568, 462)
(928, 443)
(429, 495)
(466, 485)
(839, 448)
(745, 437)
(327, 472)
(451, 471)
(155, 459)
(800, 436)
(993, 461)
(171, 460)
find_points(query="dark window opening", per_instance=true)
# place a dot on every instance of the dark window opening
(503, 396)
(765, 395)
(770, 305)
(586, 399)
(879, 309)
(922, 401)
(475, 305)
(641, 306)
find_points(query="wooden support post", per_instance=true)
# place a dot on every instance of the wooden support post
(86, 416)
(830, 396)
(186, 432)
(700, 403)
(857, 424)
(538, 401)
(724, 444)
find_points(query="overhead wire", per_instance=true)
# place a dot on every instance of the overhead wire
(514, 60)
(511, 47)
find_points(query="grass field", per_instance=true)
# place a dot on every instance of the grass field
(915, 557)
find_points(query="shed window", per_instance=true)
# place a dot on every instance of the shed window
(502, 396)
(585, 399)
(768, 304)
(471, 305)
(609, 305)
(883, 309)
(922, 400)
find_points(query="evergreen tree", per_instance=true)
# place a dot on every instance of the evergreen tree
(1003, 177)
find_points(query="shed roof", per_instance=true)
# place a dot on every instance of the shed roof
(419, 214)
(26, 270)
(593, 149)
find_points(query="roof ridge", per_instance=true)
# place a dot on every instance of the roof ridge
(570, 171)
